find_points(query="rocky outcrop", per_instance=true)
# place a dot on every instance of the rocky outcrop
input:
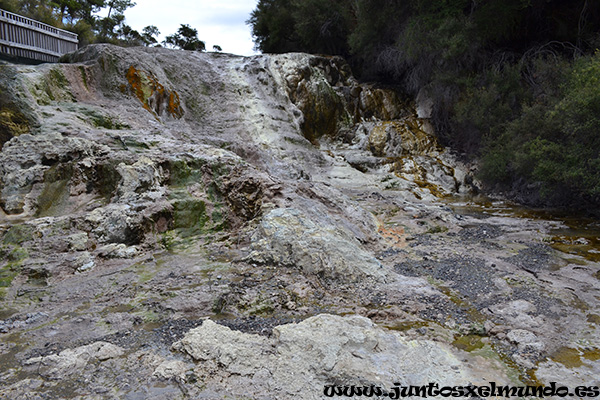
(300, 360)
(143, 190)
(72, 361)
(374, 128)
(290, 239)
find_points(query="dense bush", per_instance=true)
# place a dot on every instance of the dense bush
(513, 82)
(555, 141)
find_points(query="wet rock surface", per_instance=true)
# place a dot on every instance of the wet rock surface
(188, 225)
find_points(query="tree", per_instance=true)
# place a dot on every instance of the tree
(323, 26)
(273, 27)
(149, 35)
(40, 10)
(63, 5)
(186, 38)
(216, 47)
(119, 6)
(81, 17)
(85, 10)
(10, 5)
(113, 26)
(127, 36)
(494, 70)
(108, 26)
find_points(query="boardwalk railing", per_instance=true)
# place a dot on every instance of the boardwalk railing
(22, 37)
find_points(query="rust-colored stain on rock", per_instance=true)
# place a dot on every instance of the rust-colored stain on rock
(152, 94)
(394, 236)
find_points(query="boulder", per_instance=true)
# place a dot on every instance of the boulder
(299, 360)
(290, 238)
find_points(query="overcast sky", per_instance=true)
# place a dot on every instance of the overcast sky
(219, 22)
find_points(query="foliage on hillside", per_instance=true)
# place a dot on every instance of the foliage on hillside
(554, 141)
(512, 81)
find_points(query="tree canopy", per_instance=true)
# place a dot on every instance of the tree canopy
(186, 38)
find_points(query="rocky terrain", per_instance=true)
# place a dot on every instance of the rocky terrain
(182, 225)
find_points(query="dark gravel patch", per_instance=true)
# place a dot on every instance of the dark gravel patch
(426, 239)
(440, 308)
(256, 325)
(479, 232)
(390, 252)
(23, 320)
(175, 330)
(545, 305)
(534, 259)
(127, 339)
(165, 335)
(468, 276)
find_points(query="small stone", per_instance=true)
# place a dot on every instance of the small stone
(86, 266)
(117, 250)
(422, 331)
(171, 369)
(85, 262)
(78, 241)
(525, 339)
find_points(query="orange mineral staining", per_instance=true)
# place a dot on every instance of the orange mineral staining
(395, 236)
(153, 95)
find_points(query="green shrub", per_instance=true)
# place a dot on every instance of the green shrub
(555, 142)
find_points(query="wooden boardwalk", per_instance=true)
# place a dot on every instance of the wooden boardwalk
(26, 38)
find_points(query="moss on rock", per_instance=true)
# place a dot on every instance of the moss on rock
(12, 123)
(190, 215)
(52, 86)
(56, 189)
(18, 234)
